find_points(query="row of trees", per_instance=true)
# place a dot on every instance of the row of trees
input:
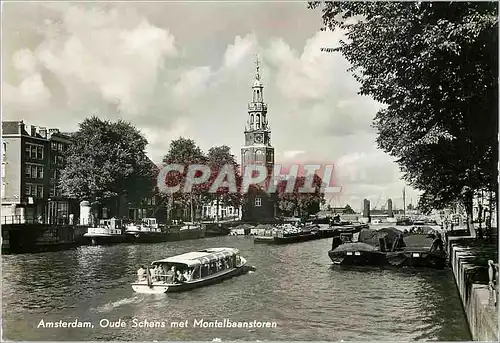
(107, 160)
(434, 65)
(185, 152)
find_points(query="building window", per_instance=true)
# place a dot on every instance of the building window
(53, 145)
(39, 191)
(3, 189)
(60, 147)
(52, 191)
(28, 189)
(4, 149)
(39, 152)
(257, 122)
(258, 202)
(3, 170)
(34, 171)
(34, 151)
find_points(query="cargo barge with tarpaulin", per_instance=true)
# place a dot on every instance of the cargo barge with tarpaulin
(391, 247)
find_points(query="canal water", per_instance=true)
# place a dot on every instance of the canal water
(294, 286)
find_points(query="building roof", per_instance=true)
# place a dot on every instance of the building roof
(10, 127)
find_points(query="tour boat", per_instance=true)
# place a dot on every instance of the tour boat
(199, 267)
(105, 233)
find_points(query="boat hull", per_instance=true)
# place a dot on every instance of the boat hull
(158, 288)
(104, 239)
(358, 258)
(158, 237)
(146, 237)
(435, 259)
(285, 240)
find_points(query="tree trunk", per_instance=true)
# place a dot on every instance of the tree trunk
(468, 211)
(217, 208)
(192, 210)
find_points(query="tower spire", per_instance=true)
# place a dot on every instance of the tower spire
(257, 66)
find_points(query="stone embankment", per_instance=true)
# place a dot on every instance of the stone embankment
(471, 261)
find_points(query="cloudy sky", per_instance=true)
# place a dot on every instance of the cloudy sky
(186, 69)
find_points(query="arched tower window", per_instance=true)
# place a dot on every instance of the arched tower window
(247, 157)
(259, 156)
(257, 121)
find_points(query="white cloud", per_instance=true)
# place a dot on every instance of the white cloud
(293, 153)
(241, 48)
(100, 50)
(192, 82)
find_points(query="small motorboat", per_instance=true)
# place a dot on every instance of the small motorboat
(191, 270)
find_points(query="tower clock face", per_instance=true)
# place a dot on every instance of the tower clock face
(258, 139)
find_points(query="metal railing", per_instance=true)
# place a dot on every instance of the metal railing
(493, 281)
(24, 219)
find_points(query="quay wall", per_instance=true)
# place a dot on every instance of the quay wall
(22, 238)
(477, 299)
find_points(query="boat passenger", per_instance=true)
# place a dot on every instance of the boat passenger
(187, 274)
(437, 243)
(171, 275)
(152, 273)
(180, 277)
(141, 273)
(158, 271)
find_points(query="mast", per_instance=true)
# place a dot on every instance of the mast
(404, 203)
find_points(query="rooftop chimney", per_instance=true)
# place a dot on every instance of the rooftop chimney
(21, 127)
(33, 131)
(43, 132)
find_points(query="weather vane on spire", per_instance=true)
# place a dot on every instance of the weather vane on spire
(257, 75)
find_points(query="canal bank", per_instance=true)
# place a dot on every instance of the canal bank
(469, 262)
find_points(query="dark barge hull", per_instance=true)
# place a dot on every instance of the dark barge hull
(286, 240)
(435, 259)
(358, 258)
(159, 237)
(103, 240)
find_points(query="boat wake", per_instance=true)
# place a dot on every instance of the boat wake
(115, 304)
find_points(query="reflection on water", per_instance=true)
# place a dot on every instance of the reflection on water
(294, 285)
